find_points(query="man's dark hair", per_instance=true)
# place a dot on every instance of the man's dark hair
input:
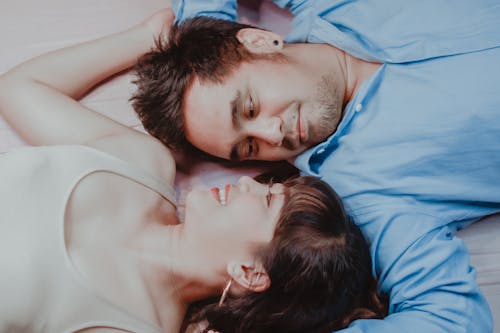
(201, 47)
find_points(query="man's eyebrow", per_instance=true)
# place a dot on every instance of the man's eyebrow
(236, 110)
(235, 119)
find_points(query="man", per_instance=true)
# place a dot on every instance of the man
(397, 109)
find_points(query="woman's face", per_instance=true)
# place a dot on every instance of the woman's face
(232, 219)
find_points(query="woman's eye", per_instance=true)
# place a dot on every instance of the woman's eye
(269, 196)
(251, 109)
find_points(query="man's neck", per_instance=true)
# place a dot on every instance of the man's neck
(350, 72)
(357, 71)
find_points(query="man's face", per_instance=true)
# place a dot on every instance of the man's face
(265, 110)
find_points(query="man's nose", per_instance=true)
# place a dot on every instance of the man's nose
(269, 130)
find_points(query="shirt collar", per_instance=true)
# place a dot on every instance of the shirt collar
(310, 160)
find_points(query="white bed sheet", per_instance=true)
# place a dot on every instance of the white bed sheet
(31, 27)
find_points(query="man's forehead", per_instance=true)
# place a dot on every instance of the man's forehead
(208, 117)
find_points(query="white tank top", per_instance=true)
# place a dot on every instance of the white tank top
(40, 289)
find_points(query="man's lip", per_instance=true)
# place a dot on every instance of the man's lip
(301, 126)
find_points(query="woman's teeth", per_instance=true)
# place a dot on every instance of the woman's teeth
(222, 196)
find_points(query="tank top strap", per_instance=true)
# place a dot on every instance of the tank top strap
(118, 166)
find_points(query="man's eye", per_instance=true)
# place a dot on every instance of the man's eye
(251, 148)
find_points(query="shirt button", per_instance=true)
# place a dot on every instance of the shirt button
(358, 107)
(320, 151)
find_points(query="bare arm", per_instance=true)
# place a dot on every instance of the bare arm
(39, 97)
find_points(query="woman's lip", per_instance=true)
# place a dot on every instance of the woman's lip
(215, 192)
(227, 189)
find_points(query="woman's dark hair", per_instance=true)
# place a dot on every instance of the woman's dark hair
(319, 266)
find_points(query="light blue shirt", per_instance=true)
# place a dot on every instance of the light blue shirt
(417, 153)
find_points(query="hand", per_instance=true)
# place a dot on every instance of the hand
(160, 23)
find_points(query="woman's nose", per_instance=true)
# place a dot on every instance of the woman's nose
(245, 183)
(248, 184)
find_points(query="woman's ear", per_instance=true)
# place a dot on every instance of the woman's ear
(250, 277)
(260, 41)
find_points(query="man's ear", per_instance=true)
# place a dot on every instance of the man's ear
(260, 41)
(251, 277)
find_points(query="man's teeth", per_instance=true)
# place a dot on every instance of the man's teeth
(222, 196)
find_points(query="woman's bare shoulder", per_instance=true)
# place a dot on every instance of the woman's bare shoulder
(141, 150)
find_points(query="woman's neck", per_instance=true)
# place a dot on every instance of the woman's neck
(170, 271)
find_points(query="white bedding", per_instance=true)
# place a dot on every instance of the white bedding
(31, 27)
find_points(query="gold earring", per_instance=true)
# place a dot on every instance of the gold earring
(255, 279)
(225, 291)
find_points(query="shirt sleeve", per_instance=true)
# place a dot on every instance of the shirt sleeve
(431, 285)
(221, 9)
(395, 31)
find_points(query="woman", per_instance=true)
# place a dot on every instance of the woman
(91, 242)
